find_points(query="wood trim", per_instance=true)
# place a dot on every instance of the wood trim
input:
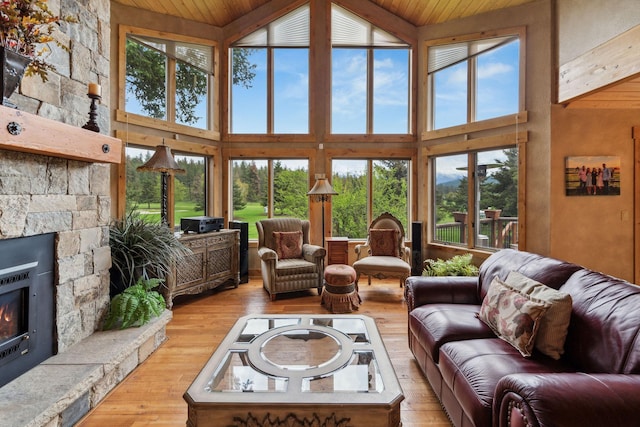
(39, 135)
(476, 144)
(153, 141)
(519, 118)
(136, 119)
(614, 61)
(635, 133)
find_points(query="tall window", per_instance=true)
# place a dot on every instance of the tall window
(476, 194)
(473, 80)
(367, 188)
(370, 78)
(264, 188)
(143, 188)
(270, 78)
(168, 80)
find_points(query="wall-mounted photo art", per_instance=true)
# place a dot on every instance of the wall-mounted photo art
(592, 176)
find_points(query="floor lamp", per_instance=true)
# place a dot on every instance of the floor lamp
(321, 191)
(162, 161)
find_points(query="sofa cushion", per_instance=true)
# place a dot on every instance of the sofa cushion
(437, 324)
(604, 333)
(384, 242)
(382, 264)
(555, 322)
(472, 369)
(288, 244)
(552, 272)
(514, 316)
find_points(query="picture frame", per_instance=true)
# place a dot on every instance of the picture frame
(580, 179)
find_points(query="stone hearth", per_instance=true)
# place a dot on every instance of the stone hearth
(55, 178)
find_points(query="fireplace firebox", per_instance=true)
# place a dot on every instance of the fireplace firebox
(27, 319)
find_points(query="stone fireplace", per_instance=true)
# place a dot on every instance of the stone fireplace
(54, 181)
(26, 304)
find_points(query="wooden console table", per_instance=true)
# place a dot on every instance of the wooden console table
(213, 263)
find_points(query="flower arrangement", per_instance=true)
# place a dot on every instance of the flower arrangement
(26, 27)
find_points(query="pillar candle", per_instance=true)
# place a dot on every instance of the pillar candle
(95, 89)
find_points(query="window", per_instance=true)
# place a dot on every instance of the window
(143, 190)
(474, 80)
(368, 186)
(370, 78)
(476, 194)
(264, 188)
(168, 79)
(270, 78)
(190, 188)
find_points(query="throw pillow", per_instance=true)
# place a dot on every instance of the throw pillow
(513, 316)
(288, 244)
(384, 242)
(555, 323)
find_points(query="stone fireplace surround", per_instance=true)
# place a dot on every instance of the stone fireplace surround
(55, 178)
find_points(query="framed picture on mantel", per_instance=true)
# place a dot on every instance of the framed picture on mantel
(592, 176)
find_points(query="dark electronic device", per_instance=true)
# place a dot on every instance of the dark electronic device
(201, 224)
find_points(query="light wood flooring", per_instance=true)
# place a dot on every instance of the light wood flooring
(152, 394)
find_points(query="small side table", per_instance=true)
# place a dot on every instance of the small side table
(338, 250)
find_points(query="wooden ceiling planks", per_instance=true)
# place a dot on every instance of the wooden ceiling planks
(418, 12)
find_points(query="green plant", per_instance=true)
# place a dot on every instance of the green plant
(136, 305)
(26, 26)
(141, 249)
(459, 265)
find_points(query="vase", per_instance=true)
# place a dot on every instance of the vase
(11, 73)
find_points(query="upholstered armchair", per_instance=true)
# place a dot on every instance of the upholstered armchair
(384, 254)
(287, 260)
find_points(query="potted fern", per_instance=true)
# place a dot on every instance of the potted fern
(458, 265)
(136, 305)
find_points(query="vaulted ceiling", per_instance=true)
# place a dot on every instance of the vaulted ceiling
(220, 13)
(418, 12)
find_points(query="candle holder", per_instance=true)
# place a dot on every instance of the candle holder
(92, 124)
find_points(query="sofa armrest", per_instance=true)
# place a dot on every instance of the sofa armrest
(312, 252)
(567, 399)
(421, 290)
(267, 254)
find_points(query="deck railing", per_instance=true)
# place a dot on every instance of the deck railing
(493, 233)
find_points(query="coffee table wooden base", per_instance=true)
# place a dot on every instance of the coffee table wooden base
(297, 370)
(292, 416)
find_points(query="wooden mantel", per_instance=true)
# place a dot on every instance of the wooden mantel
(28, 133)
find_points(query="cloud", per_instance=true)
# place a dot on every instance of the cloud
(494, 69)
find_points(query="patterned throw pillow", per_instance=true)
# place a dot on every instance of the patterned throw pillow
(384, 242)
(513, 316)
(555, 323)
(288, 244)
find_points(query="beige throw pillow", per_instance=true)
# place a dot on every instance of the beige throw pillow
(555, 323)
(512, 315)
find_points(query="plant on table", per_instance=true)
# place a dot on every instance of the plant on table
(459, 265)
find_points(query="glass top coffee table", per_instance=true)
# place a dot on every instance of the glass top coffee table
(297, 370)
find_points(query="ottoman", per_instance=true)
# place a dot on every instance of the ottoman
(339, 294)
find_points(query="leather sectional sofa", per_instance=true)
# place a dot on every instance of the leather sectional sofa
(483, 380)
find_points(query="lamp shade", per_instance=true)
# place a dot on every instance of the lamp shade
(162, 161)
(321, 188)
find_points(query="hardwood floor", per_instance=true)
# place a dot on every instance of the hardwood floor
(152, 394)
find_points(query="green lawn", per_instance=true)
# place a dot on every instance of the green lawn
(251, 213)
(183, 209)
